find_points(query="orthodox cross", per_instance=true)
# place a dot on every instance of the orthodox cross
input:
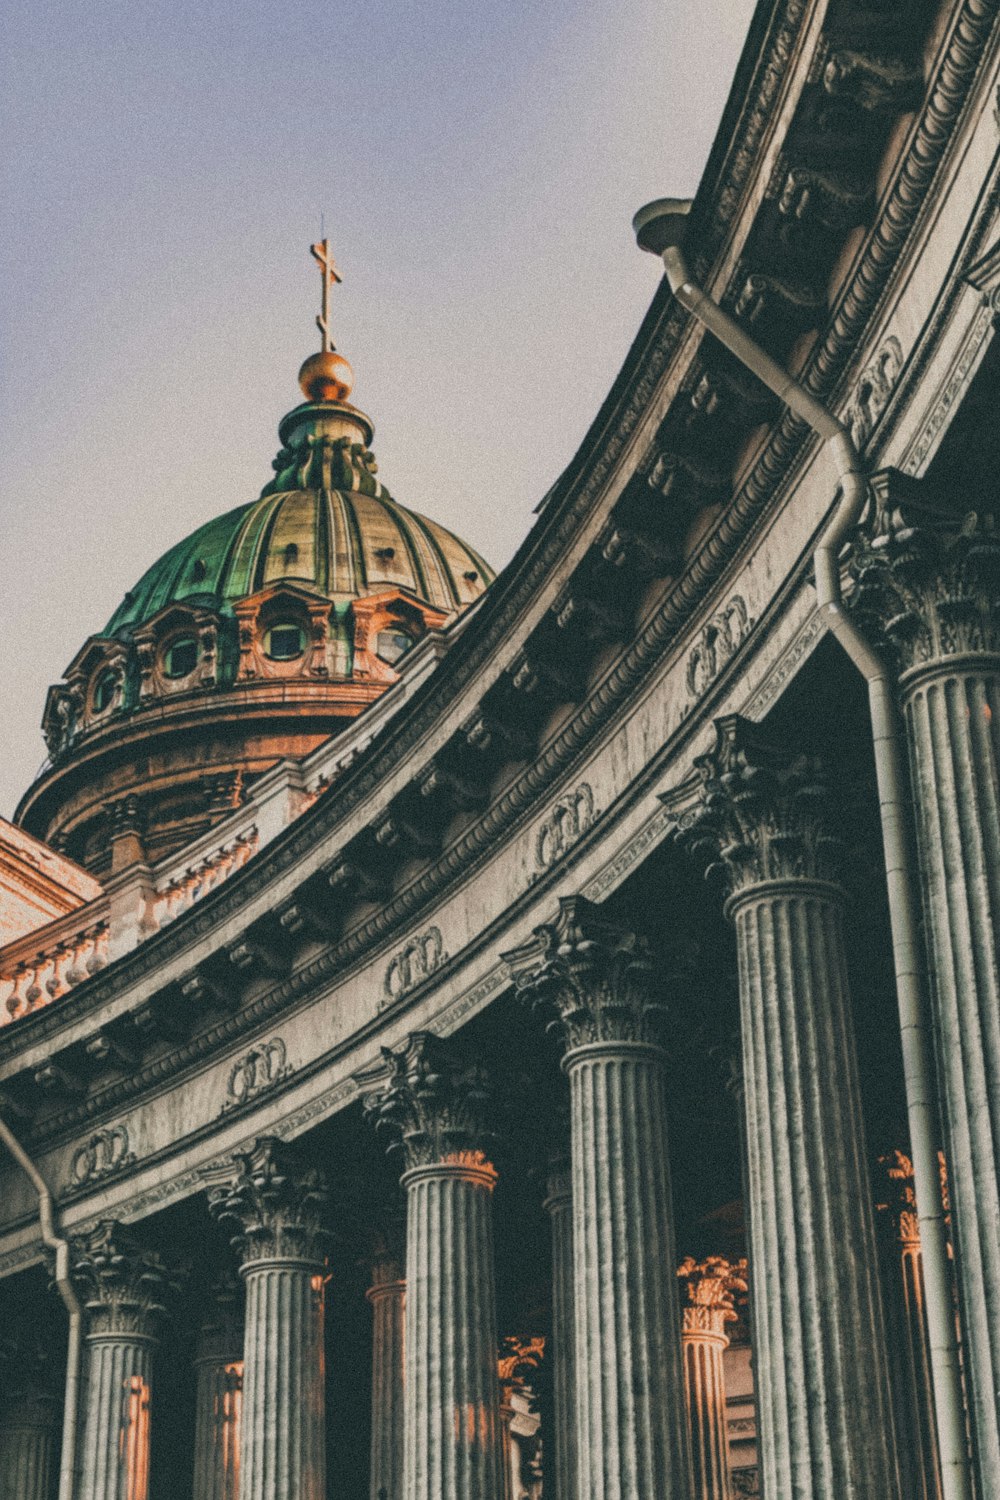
(321, 254)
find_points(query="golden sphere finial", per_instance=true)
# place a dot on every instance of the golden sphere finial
(326, 377)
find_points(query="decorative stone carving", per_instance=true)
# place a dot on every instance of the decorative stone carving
(873, 391)
(718, 642)
(104, 1154)
(431, 1100)
(273, 1202)
(877, 85)
(421, 958)
(123, 1284)
(594, 974)
(569, 819)
(763, 812)
(259, 1070)
(927, 578)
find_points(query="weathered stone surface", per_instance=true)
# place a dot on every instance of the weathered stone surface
(930, 583)
(630, 1423)
(387, 1295)
(433, 1102)
(219, 1397)
(561, 1466)
(826, 1421)
(123, 1286)
(277, 1203)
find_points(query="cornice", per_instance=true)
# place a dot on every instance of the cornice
(574, 499)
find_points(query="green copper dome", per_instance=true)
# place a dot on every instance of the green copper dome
(325, 522)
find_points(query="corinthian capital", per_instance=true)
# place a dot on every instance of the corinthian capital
(123, 1284)
(432, 1102)
(763, 813)
(927, 576)
(593, 977)
(273, 1201)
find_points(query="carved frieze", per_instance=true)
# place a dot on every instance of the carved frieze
(569, 819)
(256, 1072)
(873, 391)
(103, 1155)
(421, 958)
(720, 639)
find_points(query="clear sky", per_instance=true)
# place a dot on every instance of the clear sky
(164, 169)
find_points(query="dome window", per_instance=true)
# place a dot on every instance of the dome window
(392, 645)
(291, 554)
(180, 657)
(199, 570)
(105, 689)
(284, 642)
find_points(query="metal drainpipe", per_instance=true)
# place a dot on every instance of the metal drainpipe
(659, 228)
(67, 1462)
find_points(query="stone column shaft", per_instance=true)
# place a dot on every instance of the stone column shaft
(627, 1335)
(282, 1427)
(122, 1286)
(953, 728)
(452, 1401)
(434, 1104)
(826, 1422)
(631, 1428)
(28, 1444)
(821, 1365)
(560, 1462)
(704, 1342)
(218, 1401)
(388, 1299)
(276, 1204)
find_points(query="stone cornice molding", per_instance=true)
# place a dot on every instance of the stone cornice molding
(592, 976)
(764, 816)
(432, 1103)
(274, 1202)
(574, 499)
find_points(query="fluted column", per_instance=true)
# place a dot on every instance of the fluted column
(899, 1234)
(433, 1103)
(122, 1286)
(29, 1427)
(387, 1295)
(218, 1398)
(710, 1288)
(560, 1463)
(276, 1205)
(826, 1421)
(630, 1422)
(931, 586)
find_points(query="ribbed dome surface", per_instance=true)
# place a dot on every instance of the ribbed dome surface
(325, 522)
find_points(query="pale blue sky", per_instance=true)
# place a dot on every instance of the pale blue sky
(164, 169)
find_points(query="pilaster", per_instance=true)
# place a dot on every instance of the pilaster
(928, 583)
(826, 1420)
(123, 1287)
(275, 1203)
(30, 1414)
(595, 979)
(433, 1106)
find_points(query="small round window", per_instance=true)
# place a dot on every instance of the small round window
(181, 657)
(392, 645)
(284, 642)
(105, 689)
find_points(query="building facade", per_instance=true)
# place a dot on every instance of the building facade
(541, 1035)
